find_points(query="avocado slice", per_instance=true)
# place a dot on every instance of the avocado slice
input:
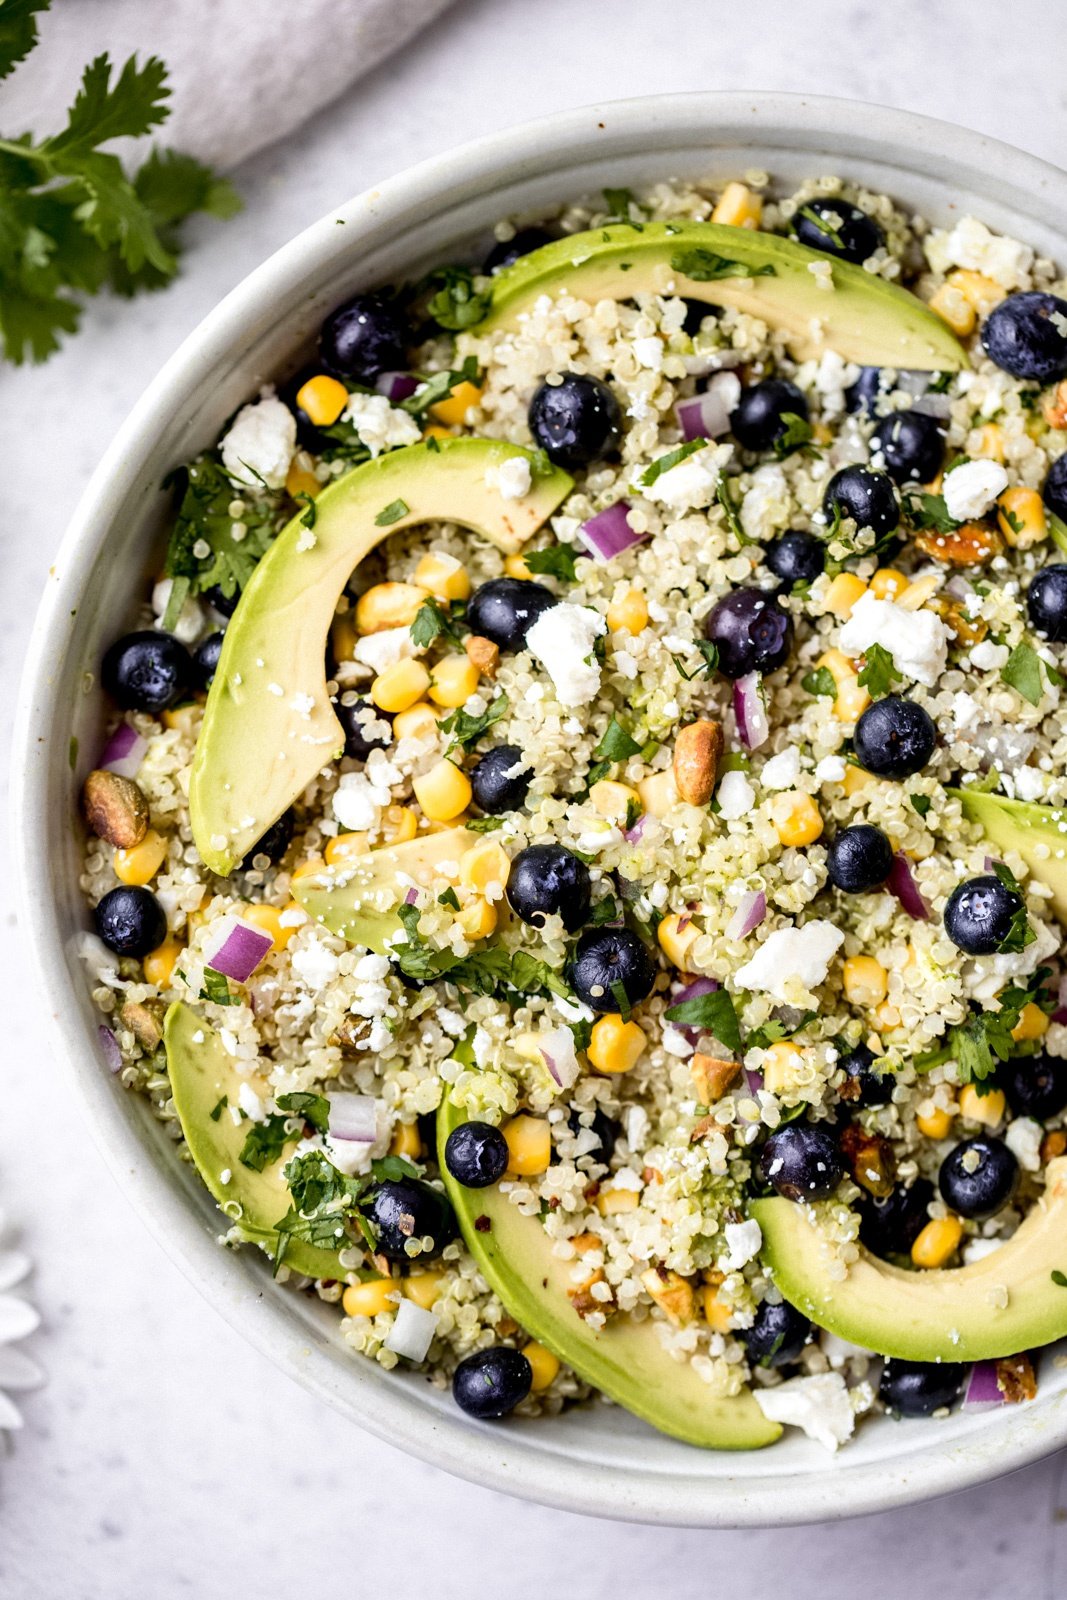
(625, 1359)
(1037, 833)
(945, 1314)
(268, 727)
(201, 1075)
(863, 319)
(359, 902)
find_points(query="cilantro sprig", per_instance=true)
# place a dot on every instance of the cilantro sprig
(878, 673)
(707, 266)
(202, 552)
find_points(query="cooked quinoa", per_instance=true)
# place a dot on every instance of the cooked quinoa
(685, 838)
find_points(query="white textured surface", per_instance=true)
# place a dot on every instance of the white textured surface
(165, 1457)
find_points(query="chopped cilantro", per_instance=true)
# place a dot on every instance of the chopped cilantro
(795, 435)
(605, 910)
(558, 561)
(456, 303)
(438, 387)
(218, 1108)
(878, 673)
(710, 664)
(618, 204)
(705, 266)
(1022, 672)
(484, 824)
(390, 513)
(1059, 1278)
(202, 550)
(823, 224)
(615, 744)
(772, 1031)
(929, 511)
(985, 1037)
(449, 898)
(466, 729)
(313, 1108)
(621, 998)
(1020, 934)
(732, 511)
(820, 682)
(921, 803)
(217, 990)
(432, 620)
(265, 1141)
(712, 1012)
(664, 464)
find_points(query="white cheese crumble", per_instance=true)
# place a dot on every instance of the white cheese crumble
(260, 444)
(1023, 1138)
(971, 244)
(648, 352)
(512, 478)
(1029, 783)
(691, 485)
(782, 770)
(792, 958)
(314, 964)
(249, 1102)
(831, 769)
(190, 617)
(735, 795)
(384, 649)
(989, 657)
(976, 1249)
(917, 640)
(743, 1241)
(820, 1405)
(562, 640)
(379, 425)
(969, 490)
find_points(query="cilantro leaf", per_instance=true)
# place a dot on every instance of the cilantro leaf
(616, 744)
(18, 31)
(313, 1108)
(618, 203)
(713, 1013)
(706, 266)
(664, 464)
(391, 513)
(217, 989)
(796, 434)
(921, 803)
(710, 664)
(774, 1030)
(1022, 672)
(456, 303)
(466, 729)
(431, 621)
(724, 494)
(1059, 1278)
(1020, 933)
(985, 1037)
(265, 1141)
(822, 222)
(438, 387)
(820, 682)
(202, 547)
(558, 561)
(878, 673)
(929, 511)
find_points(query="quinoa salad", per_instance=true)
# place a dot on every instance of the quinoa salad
(576, 860)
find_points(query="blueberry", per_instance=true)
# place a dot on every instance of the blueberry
(604, 957)
(777, 1336)
(751, 631)
(868, 389)
(206, 660)
(364, 338)
(361, 720)
(838, 229)
(695, 313)
(760, 418)
(505, 609)
(891, 1226)
(862, 1085)
(802, 1161)
(548, 880)
(918, 1388)
(147, 671)
(495, 784)
(1026, 335)
(894, 738)
(274, 843)
(978, 1177)
(1054, 493)
(1035, 1086)
(859, 858)
(224, 604)
(130, 921)
(1046, 602)
(401, 1209)
(912, 445)
(476, 1154)
(575, 422)
(865, 496)
(979, 914)
(507, 251)
(795, 557)
(490, 1383)
(604, 1127)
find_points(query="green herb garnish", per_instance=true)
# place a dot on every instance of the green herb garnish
(706, 266)
(664, 464)
(820, 682)
(456, 303)
(878, 673)
(466, 729)
(711, 1012)
(558, 561)
(391, 513)
(1022, 672)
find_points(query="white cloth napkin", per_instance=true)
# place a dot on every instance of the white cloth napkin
(242, 72)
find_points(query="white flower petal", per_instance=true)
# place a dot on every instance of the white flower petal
(14, 1265)
(17, 1371)
(17, 1318)
(10, 1417)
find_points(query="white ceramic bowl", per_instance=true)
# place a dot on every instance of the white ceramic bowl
(598, 1459)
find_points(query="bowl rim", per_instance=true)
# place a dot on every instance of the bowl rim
(502, 1458)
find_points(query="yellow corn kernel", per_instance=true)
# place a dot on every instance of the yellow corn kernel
(434, 430)
(343, 636)
(852, 701)
(406, 1140)
(866, 981)
(418, 721)
(139, 864)
(543, 1365)
(821, 433)
(979, 291)
(443, 792)
(935, 1123)
(268, 919)
(840, 667)
(388, 605)
(1032, 1023)
(672, 1293)
(453, 681)
(987, 443)
(938, 1242)
(615, 1045)
(954, 309)
(323, 398)
(918, 593)
(478, 918)
(399, 824)
(738, 207)
(423, 1287)
(781, 1064)
(985, 1108)
(659, 793)
(298, 480)
(346, 848)
(611, 1202)
(483, 865)
(370, 1299)
(717, 1314)
(453, 411)
(515, 567)
(180, 717)
(1021, 517)
(857, 778)
(529, 1144)
(443, 576)
(886, 1017)
(614, 800)
(159, 963)
(677, 935)
(400, 685)
(887, 583)
(843, 593)
(796, 818)
(628, 614)
(308, 868)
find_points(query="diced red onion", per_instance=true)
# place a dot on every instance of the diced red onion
(397, 385)
(237, 949)
(411, 898)
(754, 1079)
(608, 534)
(982, 1387)
(412, 1332)
(903, 885)
(988, 863)
(632, 835)
(124, 751)
(353, 1116)
(110, 1046)
(751, 910)
(707, 415)
(750, 712)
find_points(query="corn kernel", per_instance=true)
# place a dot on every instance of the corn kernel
(987, 1109)
(388, 605)
(323, 399)
(418, 721)
(453, 681)
(934, 1123)
(1021, 517)
(443, 576)
(781, 1066)
(298, 480)
(443, 792)
(435, 430)
(399, 824)
(628, 614)
(159, 963)
(478, 918)
(717, 1314)
(614, 800)
(738, 207)
(796, 818)
(453, 411)
(677, 935)
(422, 1287)
(615, 1045)
(887, 583)
(406, 1140)
(543, 1365)
(852, 701)
(515, 567)
(938, 1242)
(857, 779)
(672, 1293)
(1032, 1023)
(346, 848)
(269, 920)
(181, 717)
(843, 593)
(866, 981)
(659, 793)
(529, 1142)
(139, 864)
(979, 291)
(612, 1202)
(400, 685)
(370, 1299)
(483, 865)
(343, 636)
(954, 309)
(309, 868)
(987, 443)
(840, 667)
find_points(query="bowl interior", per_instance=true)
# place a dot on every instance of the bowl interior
(598, 1459)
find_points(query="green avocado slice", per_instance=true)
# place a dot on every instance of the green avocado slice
(359, 902)
(1037, 833)
(625, 1359)
(202, 1075)
(269, 728)
(863, 318)
(945, 1314)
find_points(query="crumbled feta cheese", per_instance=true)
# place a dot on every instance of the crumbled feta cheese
(691, 485)
(676, 1044)
(831, 769)
(820, 1405)
(482, 1047)
(190, 617)
(249, 1102)
(260, 444)
(735, 795)
(648, 352)
(1023, 1138)
(839, 1352)
(917, 640)
(969, 490)
(358, 802)
(511, 478)
(384, 649)
(314, 964)
(989, 657)
(306, 541)
(557, 1051)
(966, 712)
(792, 958)
(976, 1249)
(971, 244)
(782, 770)
(985, 976)
(743, 1241)
(1029, 783)
(562, 640)
(379, 425)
